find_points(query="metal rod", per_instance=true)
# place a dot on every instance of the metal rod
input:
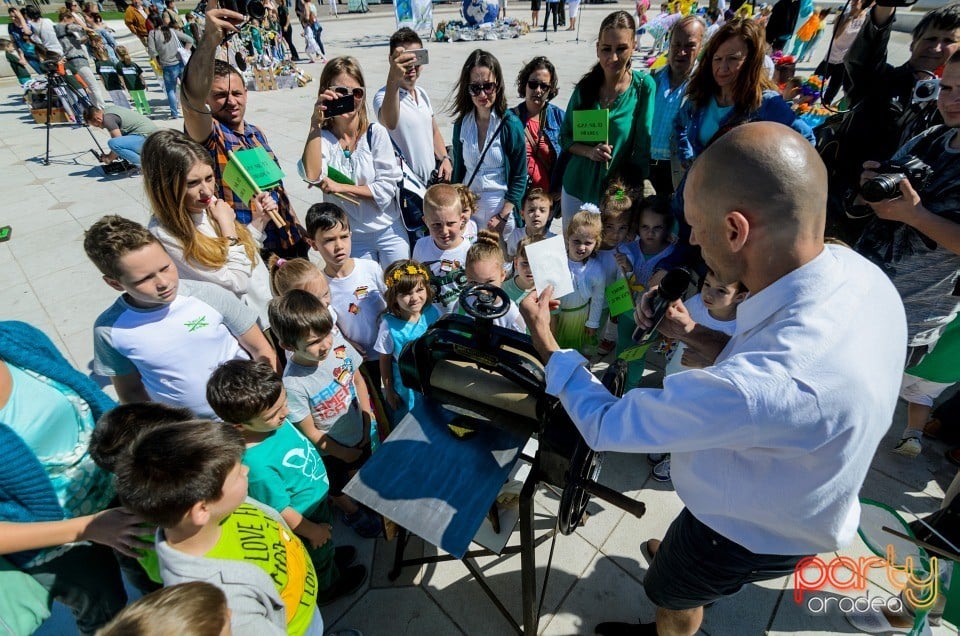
(478, 576)
(636, 508)
(528, 564)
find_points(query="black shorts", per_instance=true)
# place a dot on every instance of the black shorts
(338, 471)
(534, 5)
(696, 566)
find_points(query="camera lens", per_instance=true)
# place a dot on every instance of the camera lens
(881, 188)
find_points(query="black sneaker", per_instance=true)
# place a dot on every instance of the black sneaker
(351, 579)
(344, 556)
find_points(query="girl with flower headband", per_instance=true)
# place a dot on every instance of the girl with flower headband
(410, 310)
(616, 206)
(575, 324)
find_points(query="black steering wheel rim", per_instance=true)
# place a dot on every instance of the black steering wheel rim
(479, 301)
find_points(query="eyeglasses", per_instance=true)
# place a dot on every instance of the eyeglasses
(534, 85)
(358, 92)
(486, 87)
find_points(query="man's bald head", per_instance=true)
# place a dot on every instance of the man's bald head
(766, 171)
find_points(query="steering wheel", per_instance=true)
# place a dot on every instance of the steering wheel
(479, 301)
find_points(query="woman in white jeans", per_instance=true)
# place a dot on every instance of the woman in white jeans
(351, 145)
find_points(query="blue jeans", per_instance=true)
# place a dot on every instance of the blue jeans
(127, 147)
(170, 76)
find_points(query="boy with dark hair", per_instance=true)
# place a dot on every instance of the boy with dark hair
(286, 473)
(327, 396)
(162, 338)
(186, 477)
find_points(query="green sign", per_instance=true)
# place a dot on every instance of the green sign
(619, 298)
(591, 126)
(235, 179)
(251, 171)
(335, 175)
(634, 353)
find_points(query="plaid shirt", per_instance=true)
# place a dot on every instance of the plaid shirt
(665, 110)
(221, 141)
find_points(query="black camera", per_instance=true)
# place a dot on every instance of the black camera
(886, 185)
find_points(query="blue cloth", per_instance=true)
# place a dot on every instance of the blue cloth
(170, 76)
(691, 119)
(25, 490)
(403, 332)
(714, 114)
(667, 104)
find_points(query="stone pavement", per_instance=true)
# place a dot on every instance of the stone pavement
(45, 279)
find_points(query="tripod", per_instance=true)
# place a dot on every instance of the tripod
(70, 98)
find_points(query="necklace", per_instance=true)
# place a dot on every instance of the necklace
(607, 102)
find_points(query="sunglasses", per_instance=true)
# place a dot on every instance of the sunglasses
(358, 92)
(534, 85)
(486, 87)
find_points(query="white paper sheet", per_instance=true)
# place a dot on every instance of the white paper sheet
(548, 262)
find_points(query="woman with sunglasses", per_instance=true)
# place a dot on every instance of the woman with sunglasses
(628, 97)
(537, 85)
(489, 149)
(729, 88)
(350, 145)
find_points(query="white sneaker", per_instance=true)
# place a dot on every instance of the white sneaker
(908, 447)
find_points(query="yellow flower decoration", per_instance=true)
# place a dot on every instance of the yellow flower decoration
(407, 270)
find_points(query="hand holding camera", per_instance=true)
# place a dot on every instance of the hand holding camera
(890, 188)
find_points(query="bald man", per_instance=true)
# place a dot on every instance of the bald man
(771, 442)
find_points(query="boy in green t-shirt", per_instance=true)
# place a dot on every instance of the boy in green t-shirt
(16, 61)
(186, 477)
(286, 471)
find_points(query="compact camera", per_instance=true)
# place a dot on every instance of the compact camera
(886, 185)
(926, 91)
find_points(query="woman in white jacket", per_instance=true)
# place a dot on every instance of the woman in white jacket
(350, 145)
(200, 231)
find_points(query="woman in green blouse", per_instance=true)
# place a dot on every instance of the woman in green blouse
(628, 96)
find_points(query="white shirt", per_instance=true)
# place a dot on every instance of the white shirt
(358, 300)
(448, 273)
(844, 40)
(250, 281)
(414, 132)
(373, 165)
(490, 182)
(43, 33)
(771, 444)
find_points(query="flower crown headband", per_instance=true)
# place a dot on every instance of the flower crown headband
(406, 270)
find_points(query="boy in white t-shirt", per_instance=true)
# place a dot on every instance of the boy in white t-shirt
(444, 252)
(161, 340)
(715, 307)
(536, 220)
(356, 284)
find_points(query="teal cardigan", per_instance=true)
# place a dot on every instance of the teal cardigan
(514, 152)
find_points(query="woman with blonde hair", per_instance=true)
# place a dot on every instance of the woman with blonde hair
(200, 231)
(352, 158)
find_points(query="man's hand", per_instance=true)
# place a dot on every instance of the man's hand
(401, 63)
(223, 22)
(535, 309)
(119, 529)
(676, 323)
(904, 209)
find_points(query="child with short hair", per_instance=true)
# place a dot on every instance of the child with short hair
(521, 281)
(715, 307)
(188, 609)
(113, 436)
(250, 396)
(410, 310)
(16, 60)
(327, 396)
(186, 477)
(654, 241)
(445, 250)
(132, 76)
(470, 203)
(356, 284)
(163, 337)
(536, 219)
(576, 323)
(485, 267)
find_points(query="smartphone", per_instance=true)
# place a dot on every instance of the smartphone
(423, 56)
(5, 233)
(340, 106)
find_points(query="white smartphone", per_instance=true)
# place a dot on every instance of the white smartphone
(422, 56)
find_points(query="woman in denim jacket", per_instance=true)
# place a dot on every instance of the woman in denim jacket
(537, 85)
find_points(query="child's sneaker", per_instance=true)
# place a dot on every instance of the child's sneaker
(908, 447)
(661, 472)
(364, 523)
(351, 579)
(655, 458)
